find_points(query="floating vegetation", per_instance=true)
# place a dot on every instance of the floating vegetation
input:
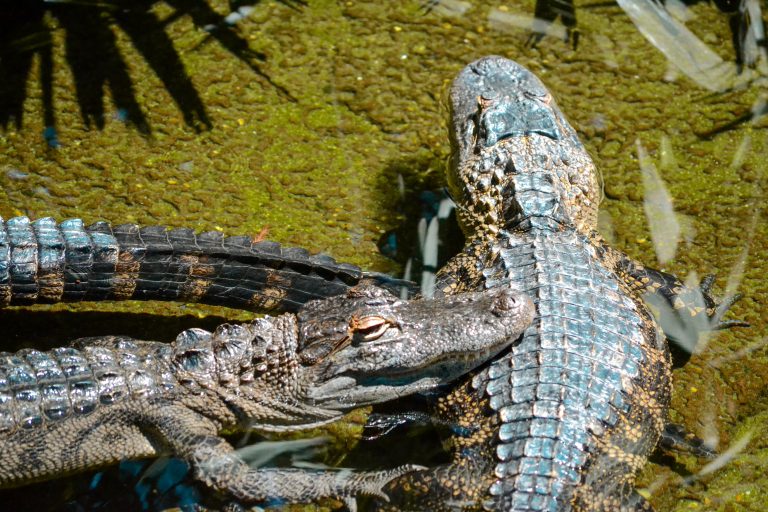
(90, 32)
(374, 76)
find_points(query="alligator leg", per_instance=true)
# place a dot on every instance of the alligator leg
(684, 313)
(215, 462)
(444, 488)
(459, 274)
(45, 261)
(165, 427)
(462, 484)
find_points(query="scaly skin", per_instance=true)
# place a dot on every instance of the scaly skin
(45, 261)
(107, 399)
(565, 419)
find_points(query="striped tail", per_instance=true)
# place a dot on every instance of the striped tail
(43, 261)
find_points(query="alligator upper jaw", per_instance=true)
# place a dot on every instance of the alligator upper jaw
(494, 98)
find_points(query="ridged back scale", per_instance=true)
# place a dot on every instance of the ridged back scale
(592, 358)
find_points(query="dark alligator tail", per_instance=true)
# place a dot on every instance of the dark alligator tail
(43, 261)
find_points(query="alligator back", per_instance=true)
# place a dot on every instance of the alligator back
(582, 396)
(38, 388)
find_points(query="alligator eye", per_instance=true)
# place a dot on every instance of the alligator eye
(369, 327)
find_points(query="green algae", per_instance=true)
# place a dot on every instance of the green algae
(369, 85)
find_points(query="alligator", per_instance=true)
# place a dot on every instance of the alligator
(102, 400)
(565, 418)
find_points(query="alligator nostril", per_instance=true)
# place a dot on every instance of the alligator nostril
(504, 302)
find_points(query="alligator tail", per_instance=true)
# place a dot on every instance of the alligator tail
(43, 261)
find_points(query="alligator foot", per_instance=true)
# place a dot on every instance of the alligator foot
(676, 438)
(717, 310)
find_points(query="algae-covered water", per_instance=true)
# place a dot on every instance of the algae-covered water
(306, 145)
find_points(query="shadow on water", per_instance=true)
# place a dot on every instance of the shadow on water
(44, 330)
(413, 188)
(95, 61)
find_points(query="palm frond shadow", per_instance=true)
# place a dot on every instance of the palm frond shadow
(97, 65)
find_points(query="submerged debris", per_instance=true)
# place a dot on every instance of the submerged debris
(657, 203)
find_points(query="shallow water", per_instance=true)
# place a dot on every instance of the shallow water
(357, 97)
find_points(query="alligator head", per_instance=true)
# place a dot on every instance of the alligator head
(380, 347)
(347, 351)
(515, 157)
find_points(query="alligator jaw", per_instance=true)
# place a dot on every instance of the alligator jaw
(413, 356)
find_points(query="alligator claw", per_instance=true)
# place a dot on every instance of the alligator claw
(676, 438)
(716, 322)
(371, 483)
(706, 283)
(717, 310)
(727, 324)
